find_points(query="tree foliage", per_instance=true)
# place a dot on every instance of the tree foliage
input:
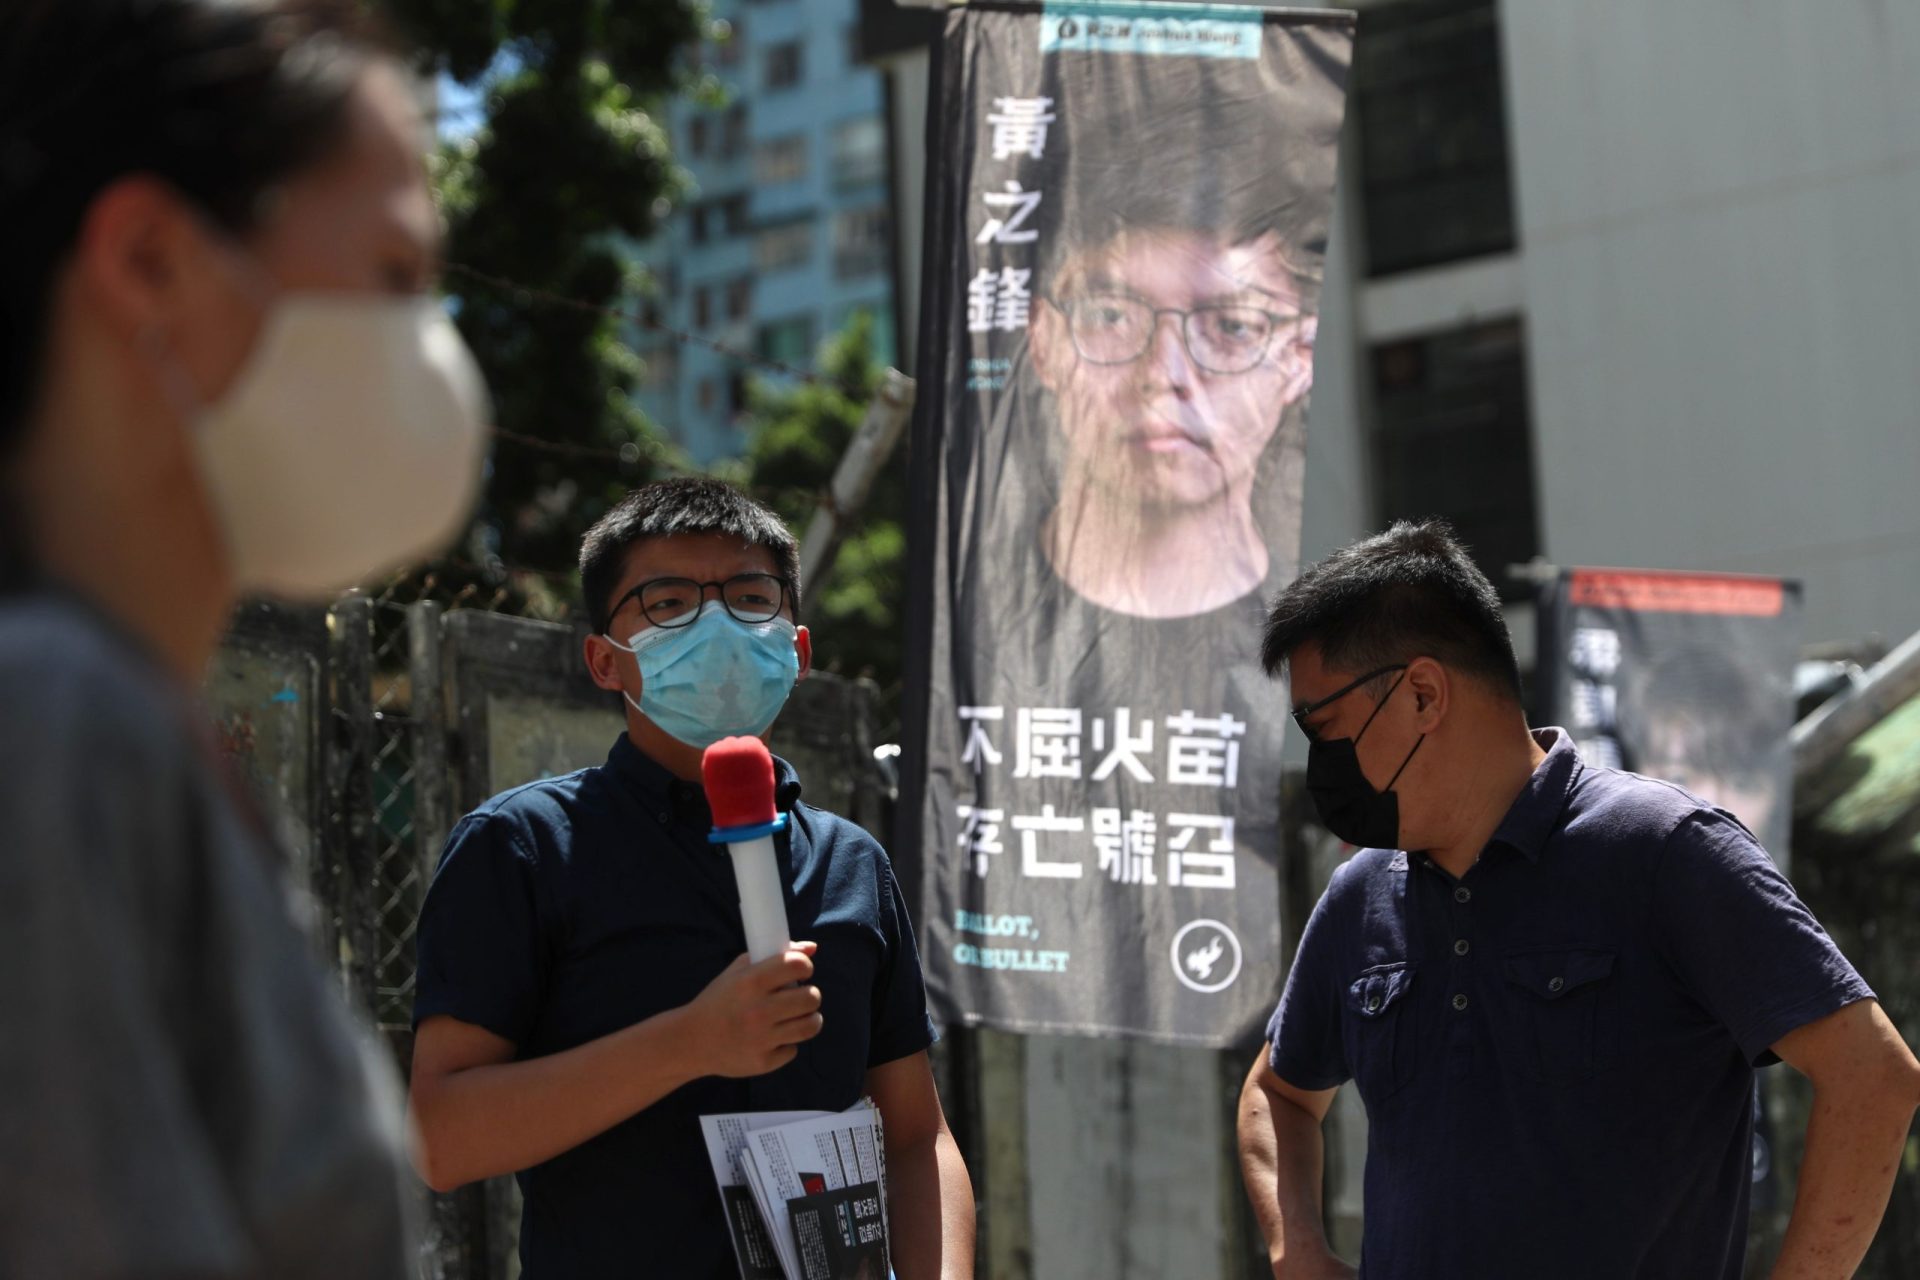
(798, 436)
(570, 161)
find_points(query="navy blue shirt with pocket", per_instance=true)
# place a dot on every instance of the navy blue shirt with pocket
(572, 907)
(1556, 1050)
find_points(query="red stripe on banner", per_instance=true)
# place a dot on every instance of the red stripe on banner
(1678, 592)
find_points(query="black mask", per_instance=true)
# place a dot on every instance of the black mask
(1347, 803)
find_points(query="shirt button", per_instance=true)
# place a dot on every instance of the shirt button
(1556, 984)
(1462, 894)
(1460, 1001)
(1461, 948)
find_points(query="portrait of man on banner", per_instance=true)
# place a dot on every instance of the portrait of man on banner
(1158, 388)
(1715, 720)
(1173, 336)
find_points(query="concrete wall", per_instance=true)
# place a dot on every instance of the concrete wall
(1719, 204)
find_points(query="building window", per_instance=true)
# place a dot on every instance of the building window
(708, 394)
(712, 219)
(697, 135)
(702, 307)
(788, 342)
(734, 45)
(784, 64)
(663, 366)
(739, 297)
(780, 160)
(1452, 439)
(786, 244)
(736, 392)
(860, 242)
(1435, 179)
(733, 132)
(859, 152)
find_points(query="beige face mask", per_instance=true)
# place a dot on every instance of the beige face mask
(350, 443)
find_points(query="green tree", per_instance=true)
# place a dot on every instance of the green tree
(798, 434)
(569, 164)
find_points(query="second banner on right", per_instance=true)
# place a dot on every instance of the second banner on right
(1687, 677)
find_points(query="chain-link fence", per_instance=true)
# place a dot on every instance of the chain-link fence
(399, 873)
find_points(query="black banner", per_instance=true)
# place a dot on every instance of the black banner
(1682, 676)
(1127, 216)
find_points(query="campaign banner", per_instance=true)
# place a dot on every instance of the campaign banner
(1128, 208)
(1687, 677)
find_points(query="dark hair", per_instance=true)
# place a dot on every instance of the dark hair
(1726, 709)
(1409, 592)
(1217, 167)
(678, 508)
(222, 99)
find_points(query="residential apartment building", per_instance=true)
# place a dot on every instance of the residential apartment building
(788, 233)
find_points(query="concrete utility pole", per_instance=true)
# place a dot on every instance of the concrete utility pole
(1820, 739)
(872, 445)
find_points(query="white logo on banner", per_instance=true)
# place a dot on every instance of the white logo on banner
(1206, 956)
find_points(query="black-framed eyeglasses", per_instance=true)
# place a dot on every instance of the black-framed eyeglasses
(675, 602)
(1118, 328)
(1300, 714)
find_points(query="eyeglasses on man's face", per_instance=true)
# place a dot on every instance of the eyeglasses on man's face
(675, 602)
(1300, 714)
(1118, 328)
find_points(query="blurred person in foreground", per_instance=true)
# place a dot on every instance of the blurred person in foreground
(1550, 982)
(583, 998)
(220, 371)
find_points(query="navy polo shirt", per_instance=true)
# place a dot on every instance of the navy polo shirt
(1556, 1050)
(572, 907)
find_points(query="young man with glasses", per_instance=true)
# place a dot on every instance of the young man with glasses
(1172, 351)
(1550, 982)
(583, 997)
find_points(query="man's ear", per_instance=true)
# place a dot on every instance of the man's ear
(1430, 685)
(1050, 345)
(803, 646)
(603, 663)
(141, 259)
(1296, 360)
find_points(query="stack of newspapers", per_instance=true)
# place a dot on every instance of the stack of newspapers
(805, 1192)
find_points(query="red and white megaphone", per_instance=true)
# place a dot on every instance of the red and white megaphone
(738, 774)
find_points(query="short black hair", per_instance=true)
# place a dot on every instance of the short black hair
(1218, 169)
(678, 508)
(1410, 592)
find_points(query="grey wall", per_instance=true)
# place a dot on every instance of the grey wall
(1719, 210)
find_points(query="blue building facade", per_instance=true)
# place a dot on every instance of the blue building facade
(787, 234)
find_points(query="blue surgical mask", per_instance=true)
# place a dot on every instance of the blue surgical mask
(715, 678)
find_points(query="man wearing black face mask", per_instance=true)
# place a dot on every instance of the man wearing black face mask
(1550, 982)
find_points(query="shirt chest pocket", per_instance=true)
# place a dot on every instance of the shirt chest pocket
(1564, 998)
(1378, 1023)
